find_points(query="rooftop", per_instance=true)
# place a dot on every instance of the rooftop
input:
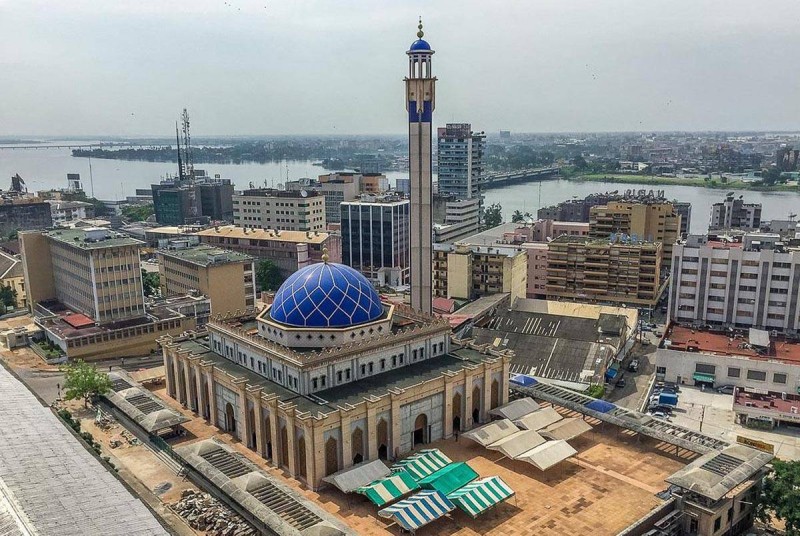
(92, 238)
(49, 478)
(731, 343)
(624, 240)
(771, 402)
(233, 231)
(206, 255)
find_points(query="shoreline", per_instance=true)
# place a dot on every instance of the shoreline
(714, 184)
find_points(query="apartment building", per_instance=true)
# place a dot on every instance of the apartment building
(600, 271)
(267, 208)
(653, 221)
(460, 160)
(336, 188)
(64, 212)
(734, 213)
(375, 238)
(464, 271)
(461, 219)
(754, 282)
(225, 277)
(289, 250)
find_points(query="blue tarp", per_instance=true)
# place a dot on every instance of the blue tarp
(601, 406)
(521, 379)
(611, 374)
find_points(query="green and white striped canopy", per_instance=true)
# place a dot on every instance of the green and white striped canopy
(480, 495)
(387, 489)
(424, 463)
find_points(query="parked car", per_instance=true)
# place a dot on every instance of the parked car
(726, 389)
(621, 382)
(658, 333)
(645, 342)
(633, 366)
(659, 414)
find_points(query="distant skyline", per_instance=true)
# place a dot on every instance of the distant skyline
(326, 68)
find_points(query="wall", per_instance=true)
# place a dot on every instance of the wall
(433, 409)
(37, 267)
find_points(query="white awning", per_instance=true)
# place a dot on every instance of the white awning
(516, 409)
(518, 443)
(548, 454)
(566, 429)
(352, 478)
(539, 419)
(759, 337)
(490, 433)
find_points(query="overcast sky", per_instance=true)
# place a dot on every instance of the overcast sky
(116, 67)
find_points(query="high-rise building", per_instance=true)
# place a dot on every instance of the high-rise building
(460, 160)
(751, 283)
(461, 218)
(286, 210)
(465, 271)
(734, 213)
(199, 199)
(336, 188)
(420, 103)
(375, 238)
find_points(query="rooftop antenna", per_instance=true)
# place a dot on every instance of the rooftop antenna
(178, 145)
(91, 178)
(187, 145)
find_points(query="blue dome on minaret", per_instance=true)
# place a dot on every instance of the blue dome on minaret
(420, 45)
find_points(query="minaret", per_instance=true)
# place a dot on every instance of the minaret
(420, 101)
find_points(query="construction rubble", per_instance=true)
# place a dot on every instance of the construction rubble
(206, 514)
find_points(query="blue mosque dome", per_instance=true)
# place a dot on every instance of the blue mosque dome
(420, 44)
(326, 295)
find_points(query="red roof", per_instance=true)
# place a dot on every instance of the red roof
(77, 320)
(688, 339)
(443, 305)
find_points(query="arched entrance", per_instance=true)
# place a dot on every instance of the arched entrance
(207, 404)
(331, 456)
(357, 445)
(495, 400)
(193, 405)
(457, 412)
(230, 418)
(268, 433)
(301, 457)
(284, 447)
(251, 424)
(421, 429)
(383, 439)
(476, 405)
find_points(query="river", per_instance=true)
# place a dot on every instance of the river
(46, 168)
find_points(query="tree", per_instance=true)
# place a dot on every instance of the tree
(580, 163)
(82, 380)
(137, 212)
(780, 496)
(268, 275)
(493, 215)
(151, 282)
(8, 297)
(517, 217)
(770, 176)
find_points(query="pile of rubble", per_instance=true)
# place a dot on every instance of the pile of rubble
(205, 513)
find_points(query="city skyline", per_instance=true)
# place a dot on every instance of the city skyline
(250, 68)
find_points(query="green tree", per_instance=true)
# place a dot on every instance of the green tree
(8, 297)
(517, 217)
(580, 163)
(82, 380)
(780, 496)
(151, 282)
(268, 275)
(137, 212)
(770, 176)
(493, 215)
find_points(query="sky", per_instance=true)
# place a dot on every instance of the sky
(296, 67)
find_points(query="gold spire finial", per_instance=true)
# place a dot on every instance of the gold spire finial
(420, 33)
(325, 255)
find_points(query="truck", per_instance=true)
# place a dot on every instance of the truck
(668, 399)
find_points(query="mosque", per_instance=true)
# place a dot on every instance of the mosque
(329, 375)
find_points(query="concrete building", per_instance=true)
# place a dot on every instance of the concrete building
(536, 285)
(599, 271)
(420, 103)
(12, 275)
(302, 210)
(375, 238)
(289, 250)
(461, 219)
(64, 212)
(23, 213)
(328, 376)
(460, 160)
(754, 282)
(374, 183)
(336, 188)
(225, 277)
(734, 213)
(403, 185)
(470, 271)
(196, 200)
(652, 221)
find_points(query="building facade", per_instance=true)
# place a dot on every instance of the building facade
(315, 387)
(734, 213)
(375, 238)
(336, 188)
(289, 250)
(755, 282)
(301, 210)
(188, 201)
(460, 160)
(64, 212)
(461, 219)
(420, 103)
(469, 271)
(600, 271)
(226, 277)
(19, 213)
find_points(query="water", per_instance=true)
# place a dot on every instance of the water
(47, 168)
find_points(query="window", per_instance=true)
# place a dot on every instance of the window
(661, 370)
(339, 376)
(702, 368)
(363, 370)
(779, 378)
(347, 374)
(734, 372)
(717, 524)
(383, 364)
(757, 375)
(322, 380)
(313, 383)
(370, 367)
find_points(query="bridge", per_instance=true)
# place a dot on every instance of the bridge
(498, 180)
